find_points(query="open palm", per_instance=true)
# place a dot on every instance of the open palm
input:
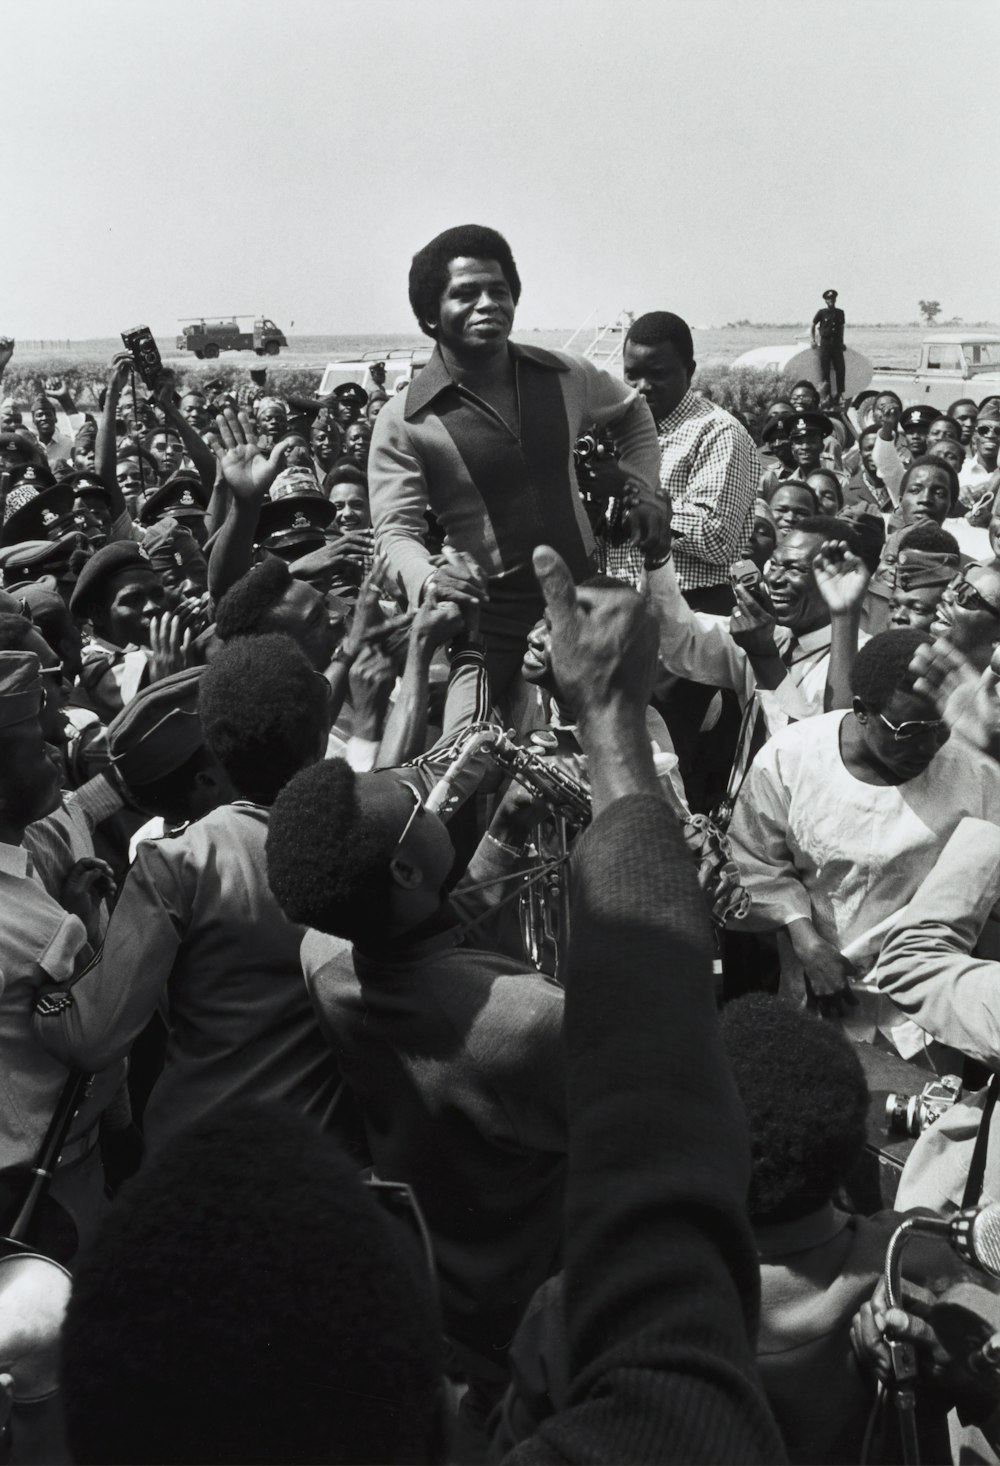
(841, 576)
(247, 469)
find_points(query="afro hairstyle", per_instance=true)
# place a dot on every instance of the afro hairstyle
(929, 537)
(247, 604)
(663, 328)
(248, 1300)
(928, 460)
(429, 269)
(806, 1100)
(882, 666)
(327, 865)
(263, 710)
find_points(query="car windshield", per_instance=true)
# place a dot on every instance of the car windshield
(982, 355)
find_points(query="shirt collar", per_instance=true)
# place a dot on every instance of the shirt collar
(680, 412)
(15, 861)
(435, 378)
(800, 1235)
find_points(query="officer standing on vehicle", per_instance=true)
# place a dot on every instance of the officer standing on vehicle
(829, 324)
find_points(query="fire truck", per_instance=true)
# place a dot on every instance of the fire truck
(238, 333)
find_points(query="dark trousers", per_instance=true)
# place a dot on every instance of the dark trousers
(832, 355)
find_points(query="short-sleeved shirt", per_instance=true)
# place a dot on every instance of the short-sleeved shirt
(831, 321)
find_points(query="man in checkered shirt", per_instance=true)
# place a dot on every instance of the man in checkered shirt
(709, 467)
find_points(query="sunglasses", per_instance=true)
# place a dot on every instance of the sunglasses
(965, 593)
(988, 430)
(901, 732)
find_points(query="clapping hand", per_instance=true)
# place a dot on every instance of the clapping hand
(247, 470)
(968, 700)
(169, 644)
(841, 576)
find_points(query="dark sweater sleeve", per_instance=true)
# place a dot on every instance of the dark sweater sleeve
(662, 1282)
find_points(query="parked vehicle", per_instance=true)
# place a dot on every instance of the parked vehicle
(401, 366)
(208, 338)
(965, 364)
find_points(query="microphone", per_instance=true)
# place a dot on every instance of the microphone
(975, 1236)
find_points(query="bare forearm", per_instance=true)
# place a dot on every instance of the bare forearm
(843, 650)
(405, 731)
(198, 450)
(232, 553)
(105, 449)
(619, 755)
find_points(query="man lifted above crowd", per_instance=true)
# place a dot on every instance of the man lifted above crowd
(483, 438)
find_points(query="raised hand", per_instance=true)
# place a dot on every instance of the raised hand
(371, 678)
(968, 700)
(435, 623)
(604, 642)
(841, 576)
(169, 644)
(247, 470)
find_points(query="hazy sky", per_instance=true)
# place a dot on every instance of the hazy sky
(721, 158)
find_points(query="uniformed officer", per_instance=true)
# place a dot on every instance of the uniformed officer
(183, 498)
(295, 525)
(914, 422)
(828, 325)
(119, 592)
(43, 942)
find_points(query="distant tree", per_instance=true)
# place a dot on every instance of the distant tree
(929, 309)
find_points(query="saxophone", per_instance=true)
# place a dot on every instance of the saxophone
(544, 896)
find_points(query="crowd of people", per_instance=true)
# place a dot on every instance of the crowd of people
(462, 852)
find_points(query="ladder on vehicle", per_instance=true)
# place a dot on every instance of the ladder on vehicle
(605, 343)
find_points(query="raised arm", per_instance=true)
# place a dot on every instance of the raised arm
(106, 446)
(405, 733)
(843, 580)
(249, 473)
(198, 451)
(661, 1271)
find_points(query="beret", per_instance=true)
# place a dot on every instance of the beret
(111, 560)
(158, 730)
(171, 545)
(778, 427)
(20, 687)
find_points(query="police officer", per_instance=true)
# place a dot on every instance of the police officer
(828, 324)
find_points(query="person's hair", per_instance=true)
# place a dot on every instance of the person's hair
(171, 795)
(247, 1299)
(244, 608)
(882, 666)
(888, 392)
(663, 328)
(829, 474)
(345, 471)
(953, 424)
(962, 402)
(865, 536)
(930, 460)
(15, 630)
(138, 452)
(792, 483)
(429, 269)
(806, 1101)
(871, 431)
(162, 430)
(929, 537)
(830, 528)
(327, 864)
(803, 382)
(263, 709)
